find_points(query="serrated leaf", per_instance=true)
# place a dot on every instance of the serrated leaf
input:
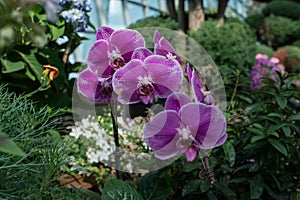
(275, 115)
(276, 127)
(256, 187)
(117, 189)
(287, 131)
(229, 152)
(154, 186)
(278, 145)
(281, 101)
(9, 67)
(274, 133)
(8, 146)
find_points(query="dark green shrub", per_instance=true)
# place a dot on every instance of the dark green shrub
(232, 46)
(255, 20)
(279, 31)
(264, 49)
(296, 43)
(288, 9)
(160, 21)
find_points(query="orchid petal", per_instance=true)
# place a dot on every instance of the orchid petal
(104, 33)
(177, 100)
(191, 153)
(125, 82)
(126, 41)
(189, 72)
(98, 60)
(87, 83)
(161, 129)
(208, 125)
(197, 87)
(169, 151)
(141, 53)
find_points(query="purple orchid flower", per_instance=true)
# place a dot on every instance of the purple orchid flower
(94, 88)
(197, 87)
(163, 47)
(112, 50)
(147, 76)
(184, 127)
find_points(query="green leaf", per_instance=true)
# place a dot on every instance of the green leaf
(256, 138)
(33, 64)
(9, 67)
(224, 189)
(229, 152)
(276, 127)
(8, 146)
(211, 196)
(254, 107)
(57, 30)
(294, 118)
(117, 189)
(154, 186)
(287, 131)
(274, 133)
(281, 101)
(256, 187)
(190, 166)
(192, 186)
(278, 145)
(256, 131)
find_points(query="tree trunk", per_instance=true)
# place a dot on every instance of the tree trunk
(196, 14)
(182, 16)
(222, 4)
(171, 9)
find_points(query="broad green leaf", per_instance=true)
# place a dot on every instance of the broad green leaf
(190, 166)
(210, 196)
(8, 146)
(9, 67)
(117, 189)
(280, 116)
(256, 138)
(256, 187)
(278, 145)
(276, 127)
(254, 107)
(281, 101)
(224, 189)
(154, 186)
(256, 131)
(33, 64)
(274, 133)
(57, 30)
(190, 187)
(293, 118)
(229, 152)
(287, 131)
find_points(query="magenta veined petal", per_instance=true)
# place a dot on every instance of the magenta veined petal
(197, 87)
(125, 81)
(189, 72)
(177, 100)
(191, 153)
(104, 32)
(169, 151)
(161, 129)
(141, 53)
(163, 47)
(208, 126)
(126, 41)
(98, 60)
(87, 83)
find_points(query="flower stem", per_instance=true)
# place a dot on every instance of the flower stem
(113, 112)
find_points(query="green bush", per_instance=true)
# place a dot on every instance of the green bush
(264, 49)
(296, 43)
(255, 20)
(160, 21)
(288, 9)
(232, 46)
(279, 31)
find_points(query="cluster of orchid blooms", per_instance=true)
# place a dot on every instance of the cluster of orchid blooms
(264, 68)
(121, 67)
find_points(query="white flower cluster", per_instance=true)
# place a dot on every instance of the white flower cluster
(100, 143)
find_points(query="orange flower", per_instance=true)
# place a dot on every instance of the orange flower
(52, 71)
